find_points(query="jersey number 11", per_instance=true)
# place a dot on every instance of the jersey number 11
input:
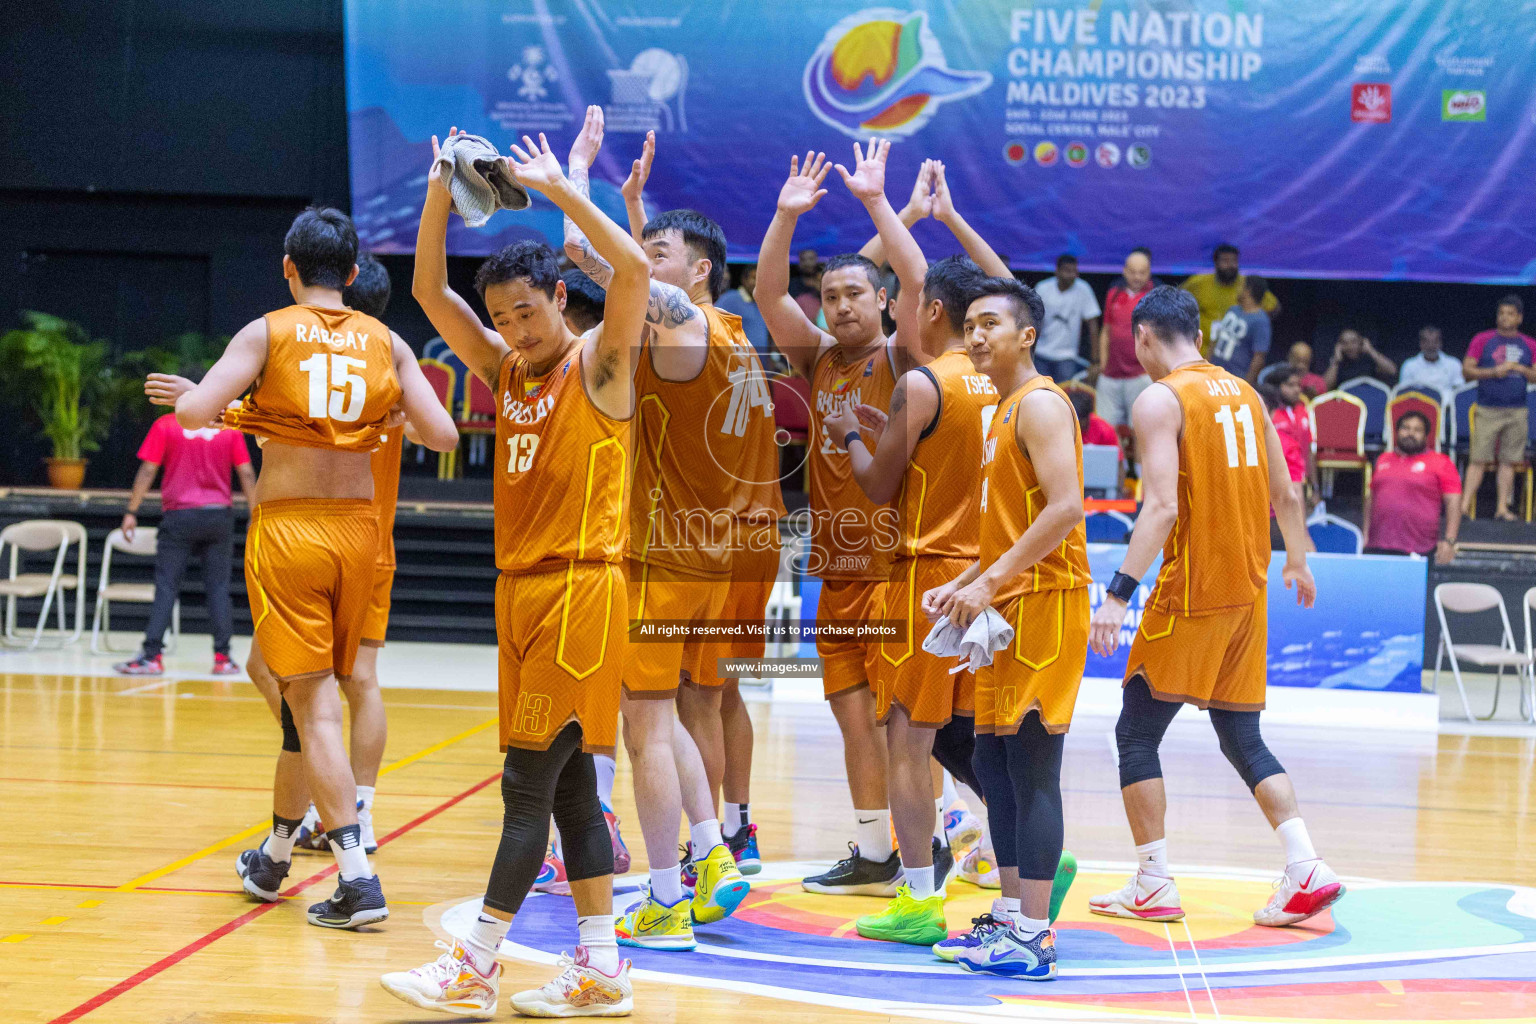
(1229, 424)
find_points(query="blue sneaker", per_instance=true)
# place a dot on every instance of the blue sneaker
(1010, 955)
(981, 927)
(260, 875)
(743, 847)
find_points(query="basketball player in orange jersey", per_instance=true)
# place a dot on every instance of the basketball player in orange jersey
(705, 486)
(1212, 466)
(323, 381)
(927, 454)
(1033, 570)
(561, 482)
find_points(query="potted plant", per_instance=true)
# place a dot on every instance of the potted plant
(71, 385)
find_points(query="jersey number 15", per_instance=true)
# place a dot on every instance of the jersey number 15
(335, 392)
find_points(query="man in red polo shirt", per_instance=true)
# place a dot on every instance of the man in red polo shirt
(195, 520)
(1409, 491)
(1116, 372)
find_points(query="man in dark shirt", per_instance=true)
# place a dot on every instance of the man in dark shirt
(1354, 356)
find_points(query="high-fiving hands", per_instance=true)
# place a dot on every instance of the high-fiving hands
(802, 190)
(639, 171)
(868, 178)
(589, 140)
(536, 168)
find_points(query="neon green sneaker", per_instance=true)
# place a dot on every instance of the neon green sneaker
(654, 925)
(1066, 874)
(907, 919)
(720, 887)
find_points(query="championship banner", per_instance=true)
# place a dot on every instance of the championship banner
(1325, 138)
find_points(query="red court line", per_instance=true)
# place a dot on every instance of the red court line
(171, 960)
(109, 783)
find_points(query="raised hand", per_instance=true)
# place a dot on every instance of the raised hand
(640, 170)
(535, 168)
(868, 178)
(920, 204)
(589, 140)
(803, 190)
(943, 202)
(434, 175)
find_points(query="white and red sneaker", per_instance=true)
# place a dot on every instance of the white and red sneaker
(1144, 898)
(579, 990)
(551, 877)
(450, 984)
(1306, 889)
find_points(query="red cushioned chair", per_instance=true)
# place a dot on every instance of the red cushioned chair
(1338, 433)
(443, 380)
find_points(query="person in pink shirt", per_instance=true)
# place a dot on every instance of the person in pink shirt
(1414, 503)
(195, 520)
(1292, 418)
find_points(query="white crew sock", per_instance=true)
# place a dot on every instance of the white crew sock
(667, 884)
(920, 880)
(1152, 858)
(705, 836)
(950, 797)
(601, 943)
(735, 818)
(1298, 845)
(1005, 909)
(280, 848)
(352, 862)
(311, 818)
(365, 794)
(605, 769)
(938, 820)
(484, 940)
(872, 834)
(1029, 926)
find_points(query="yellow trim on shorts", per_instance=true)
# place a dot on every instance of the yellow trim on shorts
(1061, 626)
(586, 498)
(922, 503)
(885, 604)
(1142, 629)
(253, 553)
(565, 621)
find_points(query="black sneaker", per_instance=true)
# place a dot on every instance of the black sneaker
(855, 876)
(261, 876)
(354, 903)
(943, 863)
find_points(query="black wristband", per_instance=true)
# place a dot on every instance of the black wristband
(1123, 586)
(849, 438)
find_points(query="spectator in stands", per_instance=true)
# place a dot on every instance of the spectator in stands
(1409, 490)
(1293, 421)
(1432, 367)
(195, 519)
(808, 275)
(1217, 292)
(1117, 373)
(1095, 430)
(583, 301)
(739, 300)
(1300, 356)
(1355, 356)
(1296, 459)
(1240, 339)
(1069, 303)
(1500, 361)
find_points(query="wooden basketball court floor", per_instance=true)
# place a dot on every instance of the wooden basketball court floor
(125, 802)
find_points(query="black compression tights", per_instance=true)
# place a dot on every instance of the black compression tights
(561, 779)
(1144, 719)
(954, 746)
(1021, 779)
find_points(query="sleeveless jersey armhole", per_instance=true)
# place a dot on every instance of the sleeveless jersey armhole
(934, 423)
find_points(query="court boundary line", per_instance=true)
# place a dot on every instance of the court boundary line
(1180, 968)
(1200, 966)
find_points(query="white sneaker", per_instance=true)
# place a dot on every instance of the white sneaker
(450, 984)
(579, 990)
(1144, 898)
(979, 867)
(962, 828)
(1305, 889)
(365, 822)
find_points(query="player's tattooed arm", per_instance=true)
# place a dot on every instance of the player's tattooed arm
(669, 307)
(583, 151)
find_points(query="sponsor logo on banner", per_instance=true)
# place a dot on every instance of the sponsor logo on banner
(1015, 153)
(1370, 103)
(883, 71)
(1107, 154)
(1452, 64)
(1077, 154)
(1372, 64)
(649, 94)
(1046, 153)
(1463, 105)
(1139, 156)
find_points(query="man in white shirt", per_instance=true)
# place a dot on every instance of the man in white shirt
(1068, 303)
(1432, 367)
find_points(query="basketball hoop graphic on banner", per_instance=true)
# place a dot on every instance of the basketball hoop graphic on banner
(641, 93)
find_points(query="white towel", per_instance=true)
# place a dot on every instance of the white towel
(973, 645)
(478, 179)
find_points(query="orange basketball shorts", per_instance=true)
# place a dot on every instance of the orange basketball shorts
(754, 571)
(848, 663)
(1042, 669)
(376, 621)
(1215, 660)
(652, 666)
(560, 635)
(907, 675)
(309, 576)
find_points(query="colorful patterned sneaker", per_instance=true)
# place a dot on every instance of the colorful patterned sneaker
(1144, 898)
(223, 665)
(311, 834)
(1066, 874)
(685, 864)
(654, 925)
(143, 665)
(720, 888)
(1306, 889)
(260, 875)
(907, 919)
(620, 851)
(981, 927)
(352, 905)
(551, 878)
(1011, 955)
(855, 876)
(979, 867)
(449, 984)
(962, 828)
(744, 848)
(579, 990)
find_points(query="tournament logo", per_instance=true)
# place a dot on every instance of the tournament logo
(1463, 105)
(1370, 103)
(1015, 153)
(882, 70)
(1046, 153)
(1139, 156)
(1077, 154)
(1108, 154)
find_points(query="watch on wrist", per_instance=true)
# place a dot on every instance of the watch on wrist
(1123, 586)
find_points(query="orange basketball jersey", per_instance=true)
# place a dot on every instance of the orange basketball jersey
(704, 456)
(938, 501)
(562, 472)
(1218, 553)
(329, 381)
(1011, 498)
(852, 538)
(386, 492)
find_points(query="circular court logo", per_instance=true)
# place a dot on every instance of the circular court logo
(1046, 153)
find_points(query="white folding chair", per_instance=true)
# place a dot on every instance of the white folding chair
(75, 533)
(1526, 604)
(145, 544)
(1470, 599)
(32, 536)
